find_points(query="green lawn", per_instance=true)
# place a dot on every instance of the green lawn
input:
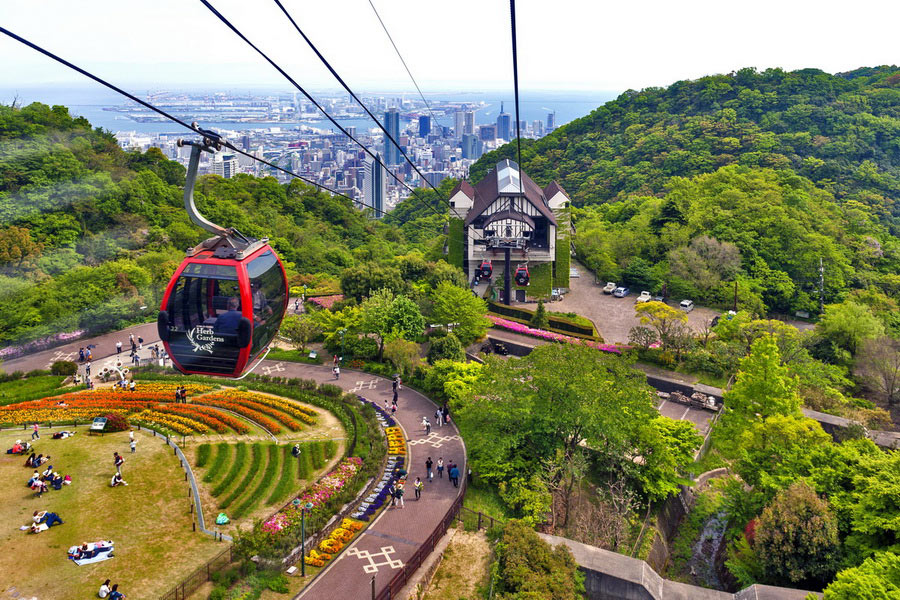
(541, 280)
(149, 521)
(32, 388)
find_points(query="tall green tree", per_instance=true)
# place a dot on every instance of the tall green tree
(763, 388)
(454, 304)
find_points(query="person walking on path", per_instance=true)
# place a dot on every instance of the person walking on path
(87, 369)
(81, 355)
(418, 488)
(133, 446)
(440, 467)
(140, 343)
(118, 461)
(118, 347)
(337, 371)
(392, 491)
(429, 473)
(394, 401)
(439, 417)
(427, 425)
(399, 491)
(34, 433)
(454, 475)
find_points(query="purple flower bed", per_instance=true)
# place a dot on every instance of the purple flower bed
(549, 335)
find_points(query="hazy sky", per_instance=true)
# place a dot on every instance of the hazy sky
(450, 45)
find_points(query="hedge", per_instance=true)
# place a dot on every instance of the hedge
(455, 243)
(565, 326)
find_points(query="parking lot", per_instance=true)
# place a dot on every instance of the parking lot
(614, 317)
(699, 417)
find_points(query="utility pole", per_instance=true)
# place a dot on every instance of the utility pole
(821, 286)
(734, 308)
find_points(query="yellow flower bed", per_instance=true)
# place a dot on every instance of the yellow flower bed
(333, 544)
(396, 443)
(174, 422)
(168, 388)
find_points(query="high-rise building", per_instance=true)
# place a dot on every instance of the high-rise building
(375, 186)
(487, 133)
(551, 121)
(471, 146)
(223, 165)
(245, 142)
(392, 124)
(460, 124)
(537, 127)
(503, 124)
(469, 124)
(424, 126)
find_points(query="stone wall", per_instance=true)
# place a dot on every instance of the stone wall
(611, 576)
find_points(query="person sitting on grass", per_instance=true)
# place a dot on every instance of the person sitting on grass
(41, 459)
(117, 480)
(115, 594)
(29, 462)
(47, 473)
(104, 589)
(34, 477)
(57, 481)
(17, 448)
(39, 487)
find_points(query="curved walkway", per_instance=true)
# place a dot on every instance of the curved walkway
(388, 543)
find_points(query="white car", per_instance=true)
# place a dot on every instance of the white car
(644, 297)
(609, 288)
(686, 305)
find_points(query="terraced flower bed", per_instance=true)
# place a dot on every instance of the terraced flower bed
(150, 408)
(246, 476)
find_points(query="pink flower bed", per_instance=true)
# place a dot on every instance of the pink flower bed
(549, 335)
(326, 301)
(317, 494)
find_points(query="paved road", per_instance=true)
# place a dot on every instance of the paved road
(613, 317)
(395, 536)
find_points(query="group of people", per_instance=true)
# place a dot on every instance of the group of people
(85, 355)
(118, 461)
(126, 385)
(180, 394)
(452, 470)
(112, 593)
(41, 482)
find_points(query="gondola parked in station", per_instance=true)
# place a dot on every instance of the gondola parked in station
(522, 276)
(486, 269)
(224, 304)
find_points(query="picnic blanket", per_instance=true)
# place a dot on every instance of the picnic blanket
(103, 549)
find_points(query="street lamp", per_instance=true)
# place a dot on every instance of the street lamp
(342, 332)
(303, 509)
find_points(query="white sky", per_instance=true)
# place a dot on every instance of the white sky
(452, 45)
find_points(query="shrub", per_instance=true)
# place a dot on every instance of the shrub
(528, 567)
(218, 593)
(116, 422)
(448, 347)
(64, 367)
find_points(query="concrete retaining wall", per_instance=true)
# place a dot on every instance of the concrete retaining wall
(612, 576)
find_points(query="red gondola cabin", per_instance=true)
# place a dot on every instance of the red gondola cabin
(219, 314)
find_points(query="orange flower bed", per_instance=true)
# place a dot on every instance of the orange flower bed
(238, 398)
(244, 411)
(86, 405)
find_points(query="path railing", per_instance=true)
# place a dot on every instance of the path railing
(193, 581)
(412, 565)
